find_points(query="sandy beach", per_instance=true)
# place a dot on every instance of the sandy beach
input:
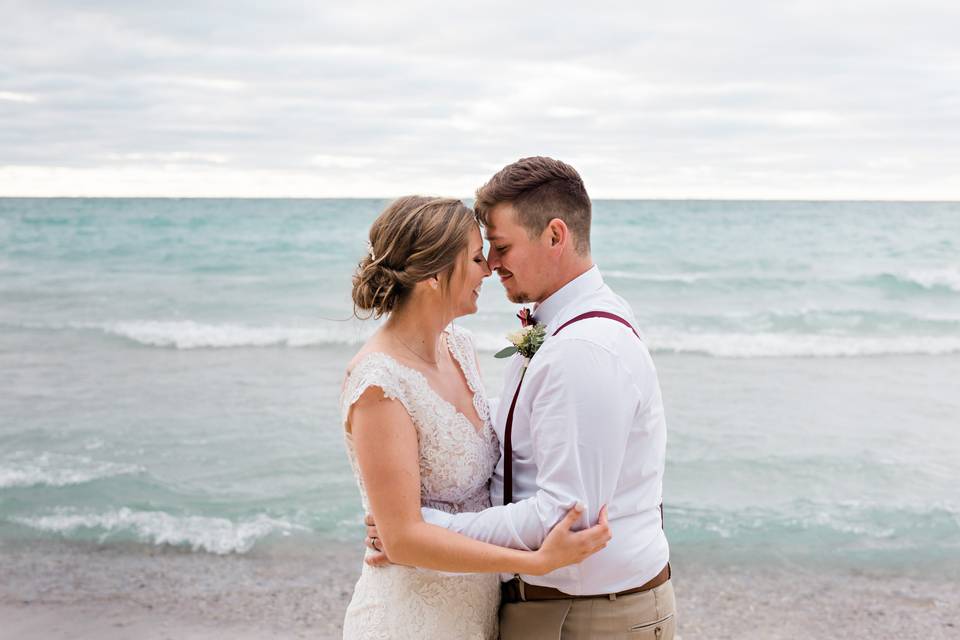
(55, 590)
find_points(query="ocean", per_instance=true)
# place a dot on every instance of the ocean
(169, 373)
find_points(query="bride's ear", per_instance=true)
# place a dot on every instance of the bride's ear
(434, 282)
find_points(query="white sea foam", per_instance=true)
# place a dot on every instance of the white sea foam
(929, 278)
(57, 470)
(771, 345)
(187, 334)
(686, 278)
(933, 278)
(200, 533)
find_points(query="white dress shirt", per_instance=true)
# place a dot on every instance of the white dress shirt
(588, 426)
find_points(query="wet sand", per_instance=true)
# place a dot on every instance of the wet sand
(54, 590)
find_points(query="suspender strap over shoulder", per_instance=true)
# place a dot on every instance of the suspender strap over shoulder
(508, 427)
(597, 314)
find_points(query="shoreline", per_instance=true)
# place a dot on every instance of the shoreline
(58, 589)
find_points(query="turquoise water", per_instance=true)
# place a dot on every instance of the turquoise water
(170, 368)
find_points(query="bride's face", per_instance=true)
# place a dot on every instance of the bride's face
(468, 277)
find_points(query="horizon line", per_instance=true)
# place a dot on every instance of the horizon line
(598, 199)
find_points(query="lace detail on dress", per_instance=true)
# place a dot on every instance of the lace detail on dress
(461, 346)
(456, 462)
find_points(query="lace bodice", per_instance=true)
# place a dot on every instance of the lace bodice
(456, 459)
(456, 462)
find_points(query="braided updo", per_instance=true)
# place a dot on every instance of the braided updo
(415, 238)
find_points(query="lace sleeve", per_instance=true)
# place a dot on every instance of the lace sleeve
(376, 370)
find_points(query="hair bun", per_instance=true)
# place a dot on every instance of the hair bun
(377, 287)
(424, 235)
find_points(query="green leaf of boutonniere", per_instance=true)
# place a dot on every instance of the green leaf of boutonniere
(505, 353)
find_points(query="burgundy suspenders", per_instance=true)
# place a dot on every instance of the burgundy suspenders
(508, 428)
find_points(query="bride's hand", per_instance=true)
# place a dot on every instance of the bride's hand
(563, 546)
(378, 557)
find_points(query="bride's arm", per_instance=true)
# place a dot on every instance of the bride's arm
(387, 449)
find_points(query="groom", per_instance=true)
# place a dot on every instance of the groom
(583, 422)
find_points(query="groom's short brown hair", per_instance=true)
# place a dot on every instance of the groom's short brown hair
(540, 189)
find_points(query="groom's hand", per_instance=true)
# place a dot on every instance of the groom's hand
(378, 558)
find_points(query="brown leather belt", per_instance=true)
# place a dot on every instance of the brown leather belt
(518, 591)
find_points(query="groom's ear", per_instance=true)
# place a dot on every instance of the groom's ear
(557, 232)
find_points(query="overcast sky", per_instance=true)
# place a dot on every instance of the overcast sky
(809, 100)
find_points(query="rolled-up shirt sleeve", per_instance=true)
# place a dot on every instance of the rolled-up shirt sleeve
(578, 450)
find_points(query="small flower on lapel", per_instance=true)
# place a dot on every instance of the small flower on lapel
(526, 341)
(526, 317)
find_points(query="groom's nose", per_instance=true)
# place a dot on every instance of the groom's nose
(493, 259)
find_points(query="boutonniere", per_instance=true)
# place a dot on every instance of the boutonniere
(526, 341)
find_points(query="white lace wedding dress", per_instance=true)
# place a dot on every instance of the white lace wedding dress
(456, 462)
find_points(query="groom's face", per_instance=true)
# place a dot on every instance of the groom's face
(522, 263)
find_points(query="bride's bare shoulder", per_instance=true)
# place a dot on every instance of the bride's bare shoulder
(374, 345)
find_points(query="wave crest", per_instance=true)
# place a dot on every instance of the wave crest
(201, 533)
(799, 338)
(920, 280)
(936, 278)
(187, 334)
(58, 470)
(772, 345)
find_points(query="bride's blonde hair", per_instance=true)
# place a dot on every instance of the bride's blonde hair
(415, 238)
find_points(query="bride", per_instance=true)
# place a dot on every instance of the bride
(418, 434)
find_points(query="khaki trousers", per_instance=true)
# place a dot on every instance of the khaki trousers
(650, 614)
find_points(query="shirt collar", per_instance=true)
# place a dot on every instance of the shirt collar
(587, 282)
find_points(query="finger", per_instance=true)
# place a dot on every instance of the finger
(371, 543)
(368, 520)
(372, 532)
(596, 535)
(572, 516)
(603, 516)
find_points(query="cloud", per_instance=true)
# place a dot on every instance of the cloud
(216, 84)
(340, 162)
(749, 100)
(175, 157)
(11, 96)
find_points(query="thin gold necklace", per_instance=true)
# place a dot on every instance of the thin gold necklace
(414, 352)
